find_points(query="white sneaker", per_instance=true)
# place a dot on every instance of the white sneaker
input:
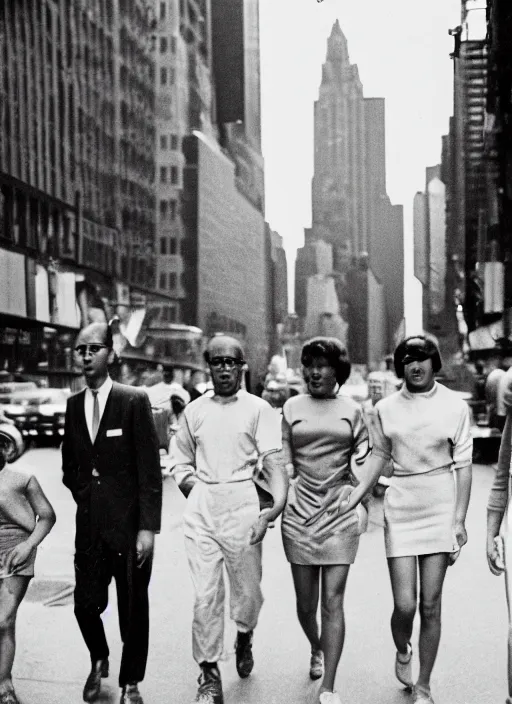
(329, 698)
(403, 667)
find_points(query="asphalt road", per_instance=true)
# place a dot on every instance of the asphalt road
(52, 662)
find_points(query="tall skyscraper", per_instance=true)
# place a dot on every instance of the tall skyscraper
(339, 195)
(351, 209)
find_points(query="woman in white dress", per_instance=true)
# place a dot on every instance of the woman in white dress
(424, 429)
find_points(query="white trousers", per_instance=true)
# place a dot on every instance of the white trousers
(217, 523)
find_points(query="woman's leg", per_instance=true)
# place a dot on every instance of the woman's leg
(403, 574)
(306, 580)
(12, 591)
(432, 573)
(334, 581)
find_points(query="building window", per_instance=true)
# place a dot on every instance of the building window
(163, 76)
(172, 209)
(174, 174)
(163, 209)
(163, 245)
(172, 245)
(172, 280)
(163, 45)
(174, 141)
(163, 141)
(172, 79)
(162, 280)
(163, 174)
(163, 10)
(173, 45)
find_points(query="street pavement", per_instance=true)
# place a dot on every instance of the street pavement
(52, 661)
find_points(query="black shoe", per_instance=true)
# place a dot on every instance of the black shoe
(210, 685)
(92, 686)
(244, 658)
(130, 694)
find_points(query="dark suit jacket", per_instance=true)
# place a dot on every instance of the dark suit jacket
(126, 496)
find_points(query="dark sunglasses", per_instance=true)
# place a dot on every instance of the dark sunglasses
(92, 349)
(228, 362)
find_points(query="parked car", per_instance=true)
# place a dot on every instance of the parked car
(37, 412)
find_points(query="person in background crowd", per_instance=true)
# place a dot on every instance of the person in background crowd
(221, 441)
(111, 465)
(499, 525)
(276, 393)
(323, 432)
(376, 390)
(493, 385)
(425, 430)
(26, 518)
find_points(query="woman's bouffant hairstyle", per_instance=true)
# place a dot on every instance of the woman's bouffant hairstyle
(417, 347)
(333, 351)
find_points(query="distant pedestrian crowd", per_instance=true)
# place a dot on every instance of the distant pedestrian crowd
(304, 452)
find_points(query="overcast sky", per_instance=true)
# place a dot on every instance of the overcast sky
(402, 50)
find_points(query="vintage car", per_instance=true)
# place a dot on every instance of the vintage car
(37, 412)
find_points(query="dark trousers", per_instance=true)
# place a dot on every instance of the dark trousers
(94, 569)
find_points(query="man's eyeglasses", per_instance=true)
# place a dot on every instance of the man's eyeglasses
(92, 349)
(228, 362)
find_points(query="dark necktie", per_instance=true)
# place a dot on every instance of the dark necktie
(95, 415)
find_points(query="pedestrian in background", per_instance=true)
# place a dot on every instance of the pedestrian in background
(323, 433)
(26, 518)
(424, 428)
(223, 440)
(499, 525)
(111, 465)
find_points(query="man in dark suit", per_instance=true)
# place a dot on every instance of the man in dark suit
(111, 465)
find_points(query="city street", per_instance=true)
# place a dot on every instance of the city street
(52, 662)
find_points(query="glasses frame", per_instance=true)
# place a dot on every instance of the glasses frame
(232, 362)
(82, 350)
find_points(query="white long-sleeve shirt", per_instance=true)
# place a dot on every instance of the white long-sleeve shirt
(220, 440)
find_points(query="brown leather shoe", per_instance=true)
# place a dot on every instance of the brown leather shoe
(130, 694)
(92, 685)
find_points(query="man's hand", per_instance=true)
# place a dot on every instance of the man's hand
(18, 556)
(258, 530)
(144, 546)
(495, 556)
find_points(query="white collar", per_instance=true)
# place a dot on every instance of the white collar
(104, 389)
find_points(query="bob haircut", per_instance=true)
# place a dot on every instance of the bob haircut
(333, 351)
(419, 347)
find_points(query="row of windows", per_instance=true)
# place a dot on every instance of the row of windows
(169, 142)
(169, 172)
(169, 245)
(168, 209)
(166, 42)
(168, 280)
(167, 76)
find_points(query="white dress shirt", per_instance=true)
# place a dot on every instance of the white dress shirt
(103, 393)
